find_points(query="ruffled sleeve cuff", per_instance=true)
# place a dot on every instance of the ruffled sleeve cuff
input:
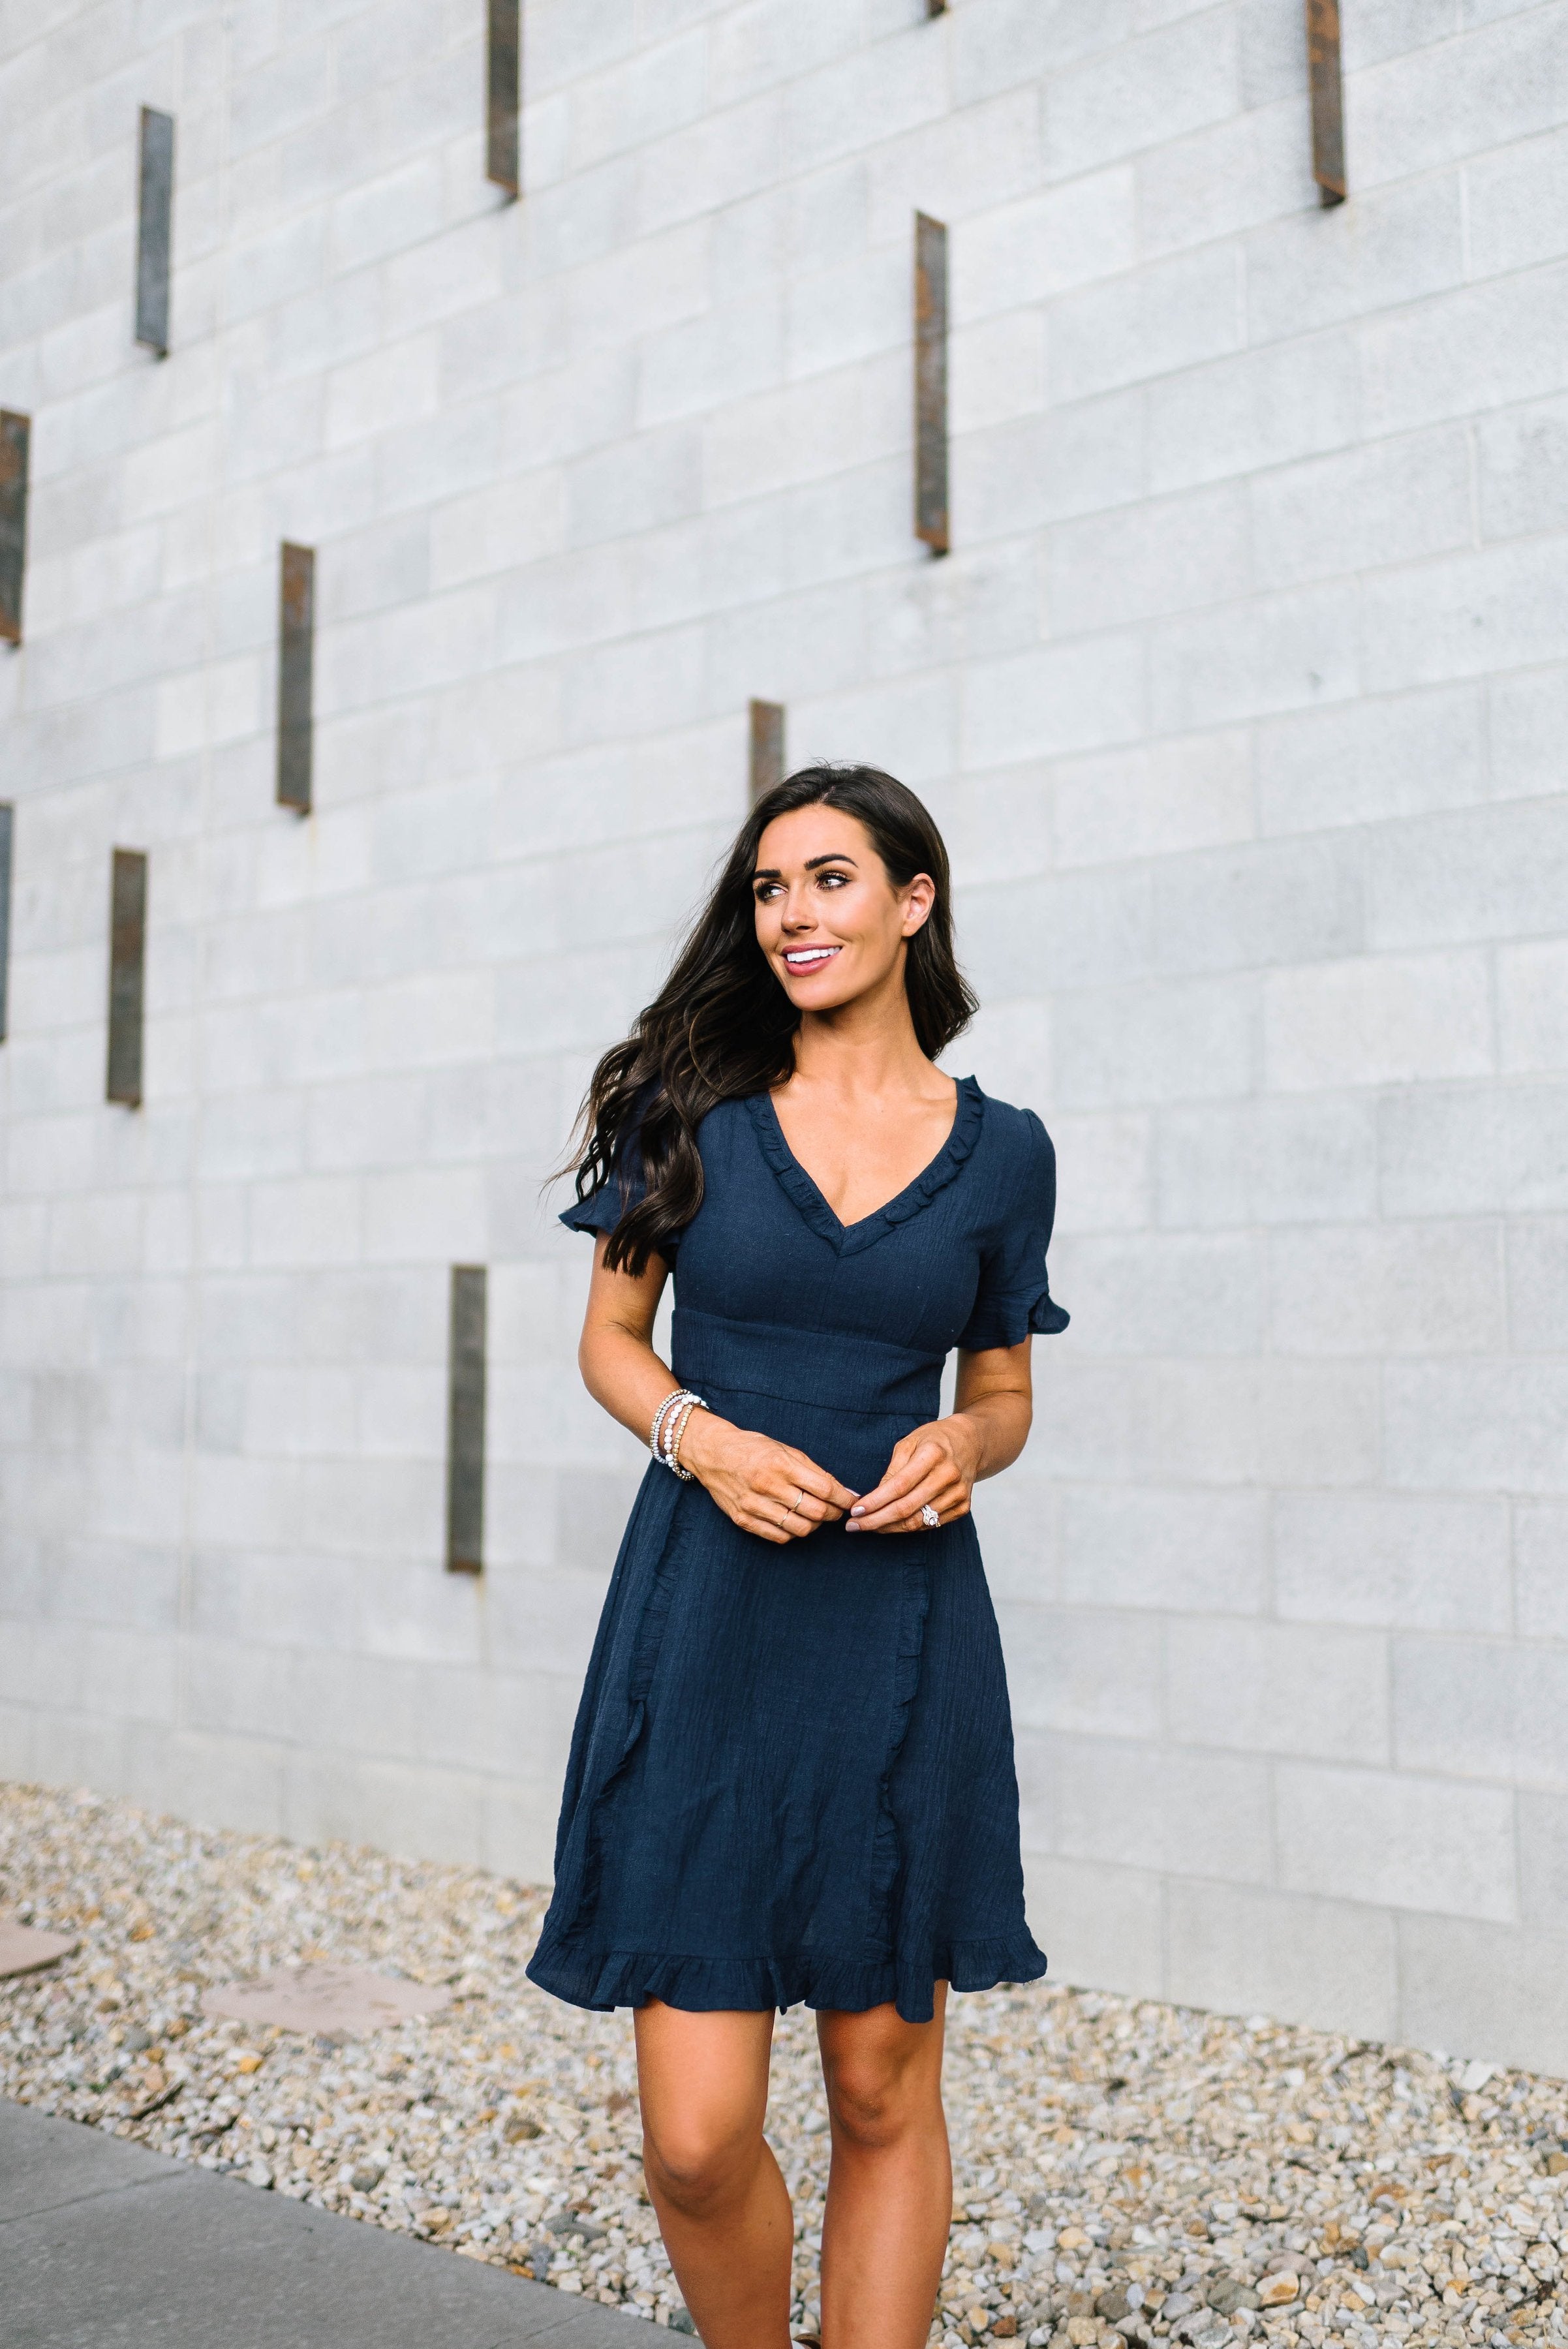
(1046, 1318)
(598, 1213)
(1008, 1320)
(602, 1212)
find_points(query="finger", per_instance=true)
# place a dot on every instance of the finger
(804, 1505)
(902, 1479)
(776, 1513)
(806, 1471)
(765, 1528)
(941, 1491)
(812, 1479)
(949, 1512)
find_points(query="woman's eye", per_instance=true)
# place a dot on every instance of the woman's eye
(837, 878)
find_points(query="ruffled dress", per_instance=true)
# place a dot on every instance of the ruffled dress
(792, 1774)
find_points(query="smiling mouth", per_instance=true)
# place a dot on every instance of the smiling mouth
(808, 957)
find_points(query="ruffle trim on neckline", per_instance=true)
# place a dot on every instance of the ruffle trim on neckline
(603, 1981)
(848, 1238)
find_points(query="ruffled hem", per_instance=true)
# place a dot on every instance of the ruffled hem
(886, 1850)
(603, 1980)
(849, 1238)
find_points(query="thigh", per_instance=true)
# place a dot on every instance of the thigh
(703, 2078)
(875, 2057)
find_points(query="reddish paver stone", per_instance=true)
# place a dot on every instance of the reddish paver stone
(325, 1998)
(23, 1948)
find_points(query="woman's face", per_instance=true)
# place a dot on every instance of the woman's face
(829, 920)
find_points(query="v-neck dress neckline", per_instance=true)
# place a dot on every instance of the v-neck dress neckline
(848, 1239)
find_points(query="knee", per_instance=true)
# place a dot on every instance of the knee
(873, 2105)
(695, 2167)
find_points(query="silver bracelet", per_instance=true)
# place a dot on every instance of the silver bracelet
(674, 1429)
(663, 1438)
(672, 1398)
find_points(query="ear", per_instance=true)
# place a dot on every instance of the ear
(919, 899)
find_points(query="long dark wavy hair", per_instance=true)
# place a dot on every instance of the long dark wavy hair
(721, 1025)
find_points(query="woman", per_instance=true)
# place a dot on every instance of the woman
(792, 1775)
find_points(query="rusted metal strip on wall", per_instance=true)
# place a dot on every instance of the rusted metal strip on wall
(296, 669)
(503, 95)
(931, 383)
(1327, 85)
(767, 747)
(465, 1421)
(16, 434)
(154, 216)
(7, 834)
(127, 975)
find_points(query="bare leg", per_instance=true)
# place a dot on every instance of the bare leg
(889, 2191)
(723, 2209)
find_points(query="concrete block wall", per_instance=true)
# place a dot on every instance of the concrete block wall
(1241, 698)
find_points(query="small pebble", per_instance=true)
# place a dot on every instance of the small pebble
(1124, 2172)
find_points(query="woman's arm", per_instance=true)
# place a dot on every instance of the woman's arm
(940, 1464)
(770, 1489)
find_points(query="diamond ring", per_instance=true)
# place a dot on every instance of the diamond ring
(928, 1516)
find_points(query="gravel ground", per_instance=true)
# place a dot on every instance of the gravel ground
(1123, 2170)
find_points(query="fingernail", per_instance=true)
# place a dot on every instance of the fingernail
(850, 1527)
(858, 1510)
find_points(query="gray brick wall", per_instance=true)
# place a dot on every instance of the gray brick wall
(1241, 696)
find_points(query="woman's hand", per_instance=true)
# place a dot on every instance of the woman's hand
(938, 1466)
(766, 1488)
(935, 1466)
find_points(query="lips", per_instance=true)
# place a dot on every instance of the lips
(808, 957)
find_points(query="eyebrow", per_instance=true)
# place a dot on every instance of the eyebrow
(838, 856)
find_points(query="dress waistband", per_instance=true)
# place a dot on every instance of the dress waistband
(831, 1367)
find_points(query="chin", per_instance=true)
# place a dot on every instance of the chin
(813, 995)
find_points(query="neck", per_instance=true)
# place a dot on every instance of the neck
(865, 1049)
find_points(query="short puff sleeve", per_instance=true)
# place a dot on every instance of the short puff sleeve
(1013, 1301)
(602, 1210)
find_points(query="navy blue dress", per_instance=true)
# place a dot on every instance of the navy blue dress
(792, 1774)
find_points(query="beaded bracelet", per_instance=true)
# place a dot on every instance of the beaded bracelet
(669, 1426)
(675, 1428)
(676, 1394)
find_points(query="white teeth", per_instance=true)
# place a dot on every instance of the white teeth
(812, 954)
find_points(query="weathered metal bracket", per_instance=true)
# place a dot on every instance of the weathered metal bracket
(503, 95)
(931, 383)
(767, 747)
(127, 975)
(153, 230)
(295, 676)
(15, 435)
(1327, 84)
(465, 1421)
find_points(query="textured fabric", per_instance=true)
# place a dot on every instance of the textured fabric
(792, 1774)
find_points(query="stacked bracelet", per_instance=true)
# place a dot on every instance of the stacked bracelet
(677, 1395)
(674, 1429)
(668, 1427)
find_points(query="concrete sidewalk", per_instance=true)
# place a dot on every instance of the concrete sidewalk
(104, 2245)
